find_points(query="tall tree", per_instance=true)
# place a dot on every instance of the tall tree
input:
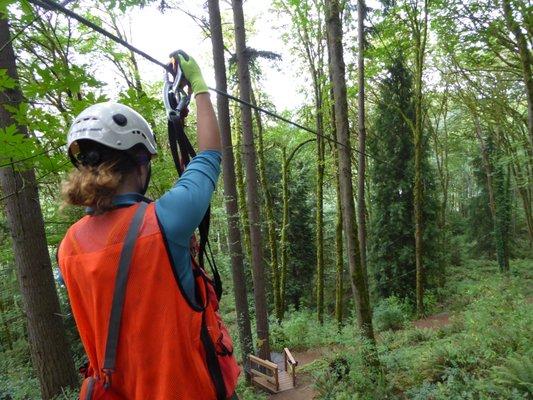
(46, 334)
(285, 173)
(230, 186)
(526, 58)
(339, 254)
(241, 189)
(269, 214)
(252, 192)
(357, 273)
(308, 22)
(361, 167)
(392, 256)
(498, 204)
(339, 248)
(417, 16)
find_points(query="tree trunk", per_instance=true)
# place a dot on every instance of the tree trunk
(526, 199)
(230, 186)
(503, 259)
(269, 212)
(339, 259)
(284, 228)
(241, 189)
(286, 160)
(261, 310)
(525, 59)
(320, 213)
(361, 9)
(49, 348)
(339, 250)
(357, 274)
(503, 215)
(419, 29)
(9, 339)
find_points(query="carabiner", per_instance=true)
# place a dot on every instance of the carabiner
(175, 98)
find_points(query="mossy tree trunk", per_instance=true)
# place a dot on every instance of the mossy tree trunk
(285, 175)
(241, 189)
(357, 273)
(496, 197)
(361, 166)
(339, 256)
(252, 192)
(269, 213)
(49, 348)
(339, 248)
(284, 228)
(526, 59)
(309, 28)
(418, 22)
(230, 187)
(320, 215)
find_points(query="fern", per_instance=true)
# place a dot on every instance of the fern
(516, 373)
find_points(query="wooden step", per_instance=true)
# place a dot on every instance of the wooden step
(285, 382)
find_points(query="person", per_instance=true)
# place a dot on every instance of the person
(160, 353)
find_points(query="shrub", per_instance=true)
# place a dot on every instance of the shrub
(516, 373)
(390, 314)
(348, 377)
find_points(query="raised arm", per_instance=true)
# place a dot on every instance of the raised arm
(181, 209)
(207, 131)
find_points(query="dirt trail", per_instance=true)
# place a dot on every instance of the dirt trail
(433, 322)
(304, 384)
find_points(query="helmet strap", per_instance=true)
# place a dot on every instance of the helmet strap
(149, 175)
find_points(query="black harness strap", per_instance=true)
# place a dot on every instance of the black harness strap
(180, 144)
(119, 294)
(212, 362)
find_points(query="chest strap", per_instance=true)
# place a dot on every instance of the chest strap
(119, 294)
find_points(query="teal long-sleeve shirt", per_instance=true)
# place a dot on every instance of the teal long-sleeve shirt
(179, 212)
(181, 209)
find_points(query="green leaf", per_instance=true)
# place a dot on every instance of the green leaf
(6, 82)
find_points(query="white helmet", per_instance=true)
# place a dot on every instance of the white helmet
(114, 125)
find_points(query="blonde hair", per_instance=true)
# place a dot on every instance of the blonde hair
(93, 186)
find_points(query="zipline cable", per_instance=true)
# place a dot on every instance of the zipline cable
(52, 5)
(32, 156)
(37, 180)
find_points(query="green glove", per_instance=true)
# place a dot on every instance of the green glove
(191, 71)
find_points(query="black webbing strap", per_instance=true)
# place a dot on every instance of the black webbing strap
(180, 144)
(212, 361)
(119, 294)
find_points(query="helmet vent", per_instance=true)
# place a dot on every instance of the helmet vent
(120, 119)
(86, 130)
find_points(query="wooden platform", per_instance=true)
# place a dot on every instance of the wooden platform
(271, 377)
(285, 382)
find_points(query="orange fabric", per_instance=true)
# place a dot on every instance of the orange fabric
(160, 354)
(219, 335)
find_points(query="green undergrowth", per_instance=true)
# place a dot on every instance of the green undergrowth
(484, 352)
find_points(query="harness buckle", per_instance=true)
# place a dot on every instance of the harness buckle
(175, 97)
(107, 377)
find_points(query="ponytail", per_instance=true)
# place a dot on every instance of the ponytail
(93, 186)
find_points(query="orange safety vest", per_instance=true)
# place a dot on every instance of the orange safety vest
(160, 354)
